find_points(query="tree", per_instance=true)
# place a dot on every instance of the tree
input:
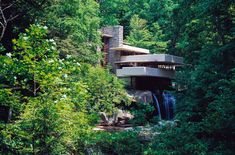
(205, 107)
(113, 12)
(139, 34)
(42, 124)
(74, 25)
(5, 19)
(59, 101)
(106, 92)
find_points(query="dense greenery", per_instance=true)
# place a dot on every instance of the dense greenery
(122, 142)
(51, 79)
(54, 100)
(203, 33)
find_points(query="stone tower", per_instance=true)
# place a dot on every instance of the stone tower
(115, 39)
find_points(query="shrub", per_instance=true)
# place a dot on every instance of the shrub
(106, 92)
(122, 143)
(143, 114)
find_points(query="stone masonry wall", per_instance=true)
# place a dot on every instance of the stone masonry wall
(115, 41)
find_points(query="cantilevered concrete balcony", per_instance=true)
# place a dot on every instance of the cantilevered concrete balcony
(164, 59)
(129, 48)
(145, 71)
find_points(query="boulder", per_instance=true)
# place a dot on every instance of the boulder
(141, 96)
(119, 117)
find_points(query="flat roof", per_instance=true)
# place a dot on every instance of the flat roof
(145, 71)
(152, 58)
(131, 49)
(106, 35)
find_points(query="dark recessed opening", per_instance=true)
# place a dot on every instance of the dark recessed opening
(5, 114)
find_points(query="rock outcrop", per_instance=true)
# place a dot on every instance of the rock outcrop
(119, 117)
(141, 96)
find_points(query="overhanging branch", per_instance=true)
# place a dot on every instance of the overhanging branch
(4, 20)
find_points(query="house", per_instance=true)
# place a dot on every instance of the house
(140, 70)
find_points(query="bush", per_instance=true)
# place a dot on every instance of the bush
(106, 92)
(119, 143)
(177, 141)
(143, 113)
(60, 97)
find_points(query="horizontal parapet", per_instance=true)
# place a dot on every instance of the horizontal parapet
(145, 71)
(152, 58)
(128, 48)
(106, 35)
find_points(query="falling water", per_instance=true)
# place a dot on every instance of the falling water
(166, 105)
(158, 107)
(169, 105)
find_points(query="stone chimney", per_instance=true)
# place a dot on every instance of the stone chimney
(116, 40)
(117, 35)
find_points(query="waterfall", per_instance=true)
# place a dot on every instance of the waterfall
(166, 105)
(157, 104)
(169, 105)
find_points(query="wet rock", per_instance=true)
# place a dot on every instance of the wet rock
(141, 96)
(119, 117)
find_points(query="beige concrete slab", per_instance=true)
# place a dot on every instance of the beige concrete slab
(145, 71)
(154, 58)
(131, 49)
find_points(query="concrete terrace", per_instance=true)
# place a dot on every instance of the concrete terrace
(136, 64)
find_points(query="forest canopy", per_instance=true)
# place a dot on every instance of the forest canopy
(51, 78)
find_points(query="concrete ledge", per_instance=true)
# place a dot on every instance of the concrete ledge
(131, 49)
(145, 71)
(106, 35)
(154, 58)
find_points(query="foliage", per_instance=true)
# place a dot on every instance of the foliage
(105, 91)
(125, 142)
(54, 96)
(142, 37)
(203, 34)
(160, 43)
(58, 107)
(113, 11)
(146, 22)
(11, 99)
(179, 140)
(139, 34)
(74, 25)
(39, 126)
(205, 106)
(142, 114)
